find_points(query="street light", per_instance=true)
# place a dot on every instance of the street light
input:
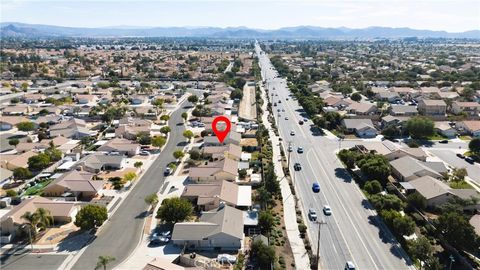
(320, 223)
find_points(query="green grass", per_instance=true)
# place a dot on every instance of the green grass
(460, 185)
(38, 188)
(465, 137)
(436, 137)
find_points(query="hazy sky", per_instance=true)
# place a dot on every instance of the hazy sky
(449, 15)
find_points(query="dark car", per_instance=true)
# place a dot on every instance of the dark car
(469, 160)
(167, 171)
(316, 187)
(297, 166)
(460, 156)
(300, 122)
(443, 141)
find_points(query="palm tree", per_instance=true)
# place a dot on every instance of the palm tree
(103, 261)
(264, 197)
(32, 222)
(45, 218)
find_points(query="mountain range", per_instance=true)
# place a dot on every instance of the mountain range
(14, 29)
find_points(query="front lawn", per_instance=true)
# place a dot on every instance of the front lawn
(38, 188)
(436, 137)
(460, 185)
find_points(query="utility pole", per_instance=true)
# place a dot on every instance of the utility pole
(320, 223)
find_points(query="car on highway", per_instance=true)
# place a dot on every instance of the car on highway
(297, 166)
(275, 104)
(443, 141)
(290, 148)
(300, 122)
(283, 110)
(279, 101)
(349, 266)
(312, 214)
(300, 150)
(279, 110)
(327, 210)
(292, 133)
(316, 187)
(167, 171)
(460, 156)
(286, 117)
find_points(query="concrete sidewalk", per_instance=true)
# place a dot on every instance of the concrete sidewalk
(302, 261)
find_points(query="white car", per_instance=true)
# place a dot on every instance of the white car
(349, 265)
(312, 214)
(327, 210)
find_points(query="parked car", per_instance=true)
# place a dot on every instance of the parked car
(349, 266)
(300, 122)
(226, 258)
(300, 150)
(316, 187)
(160, 238)
(312, 214)
(167, 171)
(460, 156)
(327, 210)
(292, 133)
(443, 141)
(144, 153)
(297, 166)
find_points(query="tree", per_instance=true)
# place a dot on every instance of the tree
(236, 94)
(433, 263)
(159, 141)
(458, 231)
(38, 162)
(144, 138)
(188, 134)
(103, 261)
(165, 130)
(347, 157)
(375, 167)
(387, 202)
(402, 225)
(242, 173)
(420, 127)
(356, 97)
(193, 99)
(264, 197)
(185, 116)
(474, 145)
(174, 210)
(91, 216)
(264, 254)
(266, 221)
(372, 187)
(22, 173)
(164, 117)
(421, 249)
(458, 174)
(391, 131)
(138, 164)
(13, 142)
(26, 126)
(177, 154)
(11, 193)
(130, 176)
(151, 199)
(54, 154)
(416, 199)
(45, 218)
(195, 154)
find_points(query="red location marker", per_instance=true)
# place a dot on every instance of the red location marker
(221, 134)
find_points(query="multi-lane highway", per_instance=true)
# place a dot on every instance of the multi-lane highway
(353, 232)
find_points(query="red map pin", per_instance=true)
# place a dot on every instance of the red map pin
(221, 134)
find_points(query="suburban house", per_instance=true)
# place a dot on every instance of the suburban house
(98, 162)
(437, 192)
(402, 110)
(337, 102)
(225, 169)
(221, 229)
(122, 146)
(17, 109)
(5, 175)
(72, 128)
(364, 128)
(432, 107)
(361, 108)
(210, 196)
(470, 127)
(11, 162)
(408, 168)
(8, 122)
(390, 97)
(138, 99)
(86, 99)
(232, 137)
(61, 211)
(77, 184)
(445, 129)
(231, 151)
(416, 153)
(472, 109)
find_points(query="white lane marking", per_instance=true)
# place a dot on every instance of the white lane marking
(344, 209)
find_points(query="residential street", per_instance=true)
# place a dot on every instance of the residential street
(353, 232)
(123, 230)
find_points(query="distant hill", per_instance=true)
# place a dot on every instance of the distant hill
(13, 29)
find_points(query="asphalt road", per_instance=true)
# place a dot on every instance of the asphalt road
(449, 156)
(32, 262)
(353, 232)
(122, 232)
